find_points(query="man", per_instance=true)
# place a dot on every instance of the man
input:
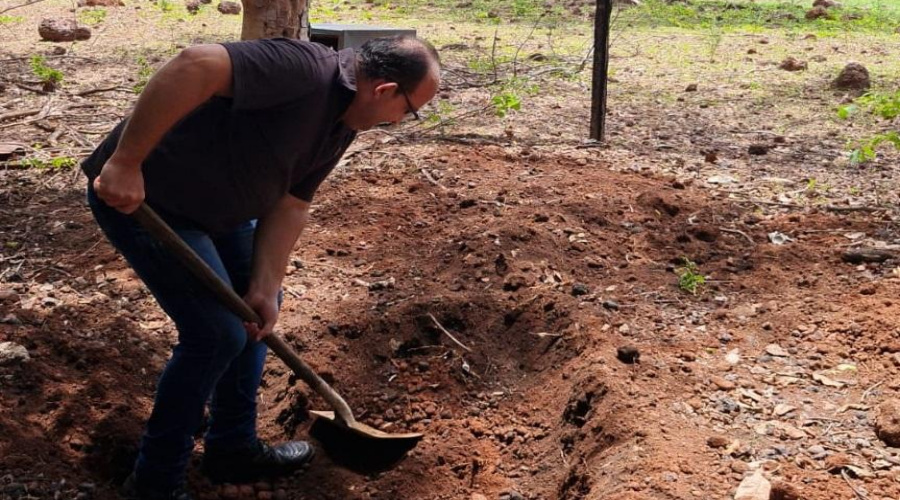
(229, 143)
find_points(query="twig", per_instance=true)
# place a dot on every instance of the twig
(26, 4)
(868, 391)
(735, 231)
(519, 48)
(441, 327)
(859, 494)
(431, 179)
(19, 114)
(98, 90)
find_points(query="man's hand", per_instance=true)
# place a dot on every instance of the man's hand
(120, 185)
(266, 306)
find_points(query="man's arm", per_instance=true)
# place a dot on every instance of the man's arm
(179, 87)
(276, 235)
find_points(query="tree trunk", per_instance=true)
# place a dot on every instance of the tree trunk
(601, 69)
(275, 18)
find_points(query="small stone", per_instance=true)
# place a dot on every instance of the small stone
(817, 452)
(754, 487)
(12, 353)
(717, 442)
(723, 384)
(579, 289)
(612, 305)
(628, 354)
(758, 149)
(691, 88)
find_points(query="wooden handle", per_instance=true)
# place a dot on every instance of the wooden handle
(186, 255)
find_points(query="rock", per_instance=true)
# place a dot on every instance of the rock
(754, 487)
(11, 353)
(628, 354)
(691, 88)
(228, 7)
(579, 289)
(717, 442)
(854, 76)
(793, 64)
(776, 350)
(511, 495)
(860, 255)
(826, 4)
(722, 384)
(192, 6)
(817, 13)
(612, 305)
(887, 422)
(784, 491)
(62, 30)
(758, 149)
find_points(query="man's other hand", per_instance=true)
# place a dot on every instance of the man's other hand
(120, 185)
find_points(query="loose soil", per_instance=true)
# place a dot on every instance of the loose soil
(544, 258)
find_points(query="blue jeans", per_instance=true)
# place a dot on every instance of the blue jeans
(214, 360)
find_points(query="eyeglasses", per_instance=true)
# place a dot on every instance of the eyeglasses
(409, 107)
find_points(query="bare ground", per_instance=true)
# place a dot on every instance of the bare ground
(542, 254)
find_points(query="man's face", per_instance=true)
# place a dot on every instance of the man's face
(386, 102)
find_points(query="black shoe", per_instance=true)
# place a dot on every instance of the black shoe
(251, 463)
(132, 491)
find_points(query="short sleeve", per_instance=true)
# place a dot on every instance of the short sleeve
(276, 71)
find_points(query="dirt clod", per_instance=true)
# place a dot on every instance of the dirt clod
(854, 76)
(887, 423)
(62, 30)
(793, 64)
(229, 8)
(818, 13)
(784, 491)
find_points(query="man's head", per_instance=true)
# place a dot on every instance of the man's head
(394, 77)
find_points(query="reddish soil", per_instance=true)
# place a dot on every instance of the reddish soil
(542, 266)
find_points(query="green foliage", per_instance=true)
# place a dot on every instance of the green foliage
(92, 17)
(886, 106)
(145, 71)
(506, 102)
(58, 163)
(865, 152)
(441, 115)
(49, 77)
(10, 19)
(750, 16)
(883, 105)
(689, 277)
(165, 5)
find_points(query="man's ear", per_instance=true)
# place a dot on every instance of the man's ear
(388, 88)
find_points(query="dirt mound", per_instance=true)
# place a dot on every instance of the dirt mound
(854, 76)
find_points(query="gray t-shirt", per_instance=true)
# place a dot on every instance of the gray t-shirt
(232, 159)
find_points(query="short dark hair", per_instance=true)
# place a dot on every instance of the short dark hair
(404, 60)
